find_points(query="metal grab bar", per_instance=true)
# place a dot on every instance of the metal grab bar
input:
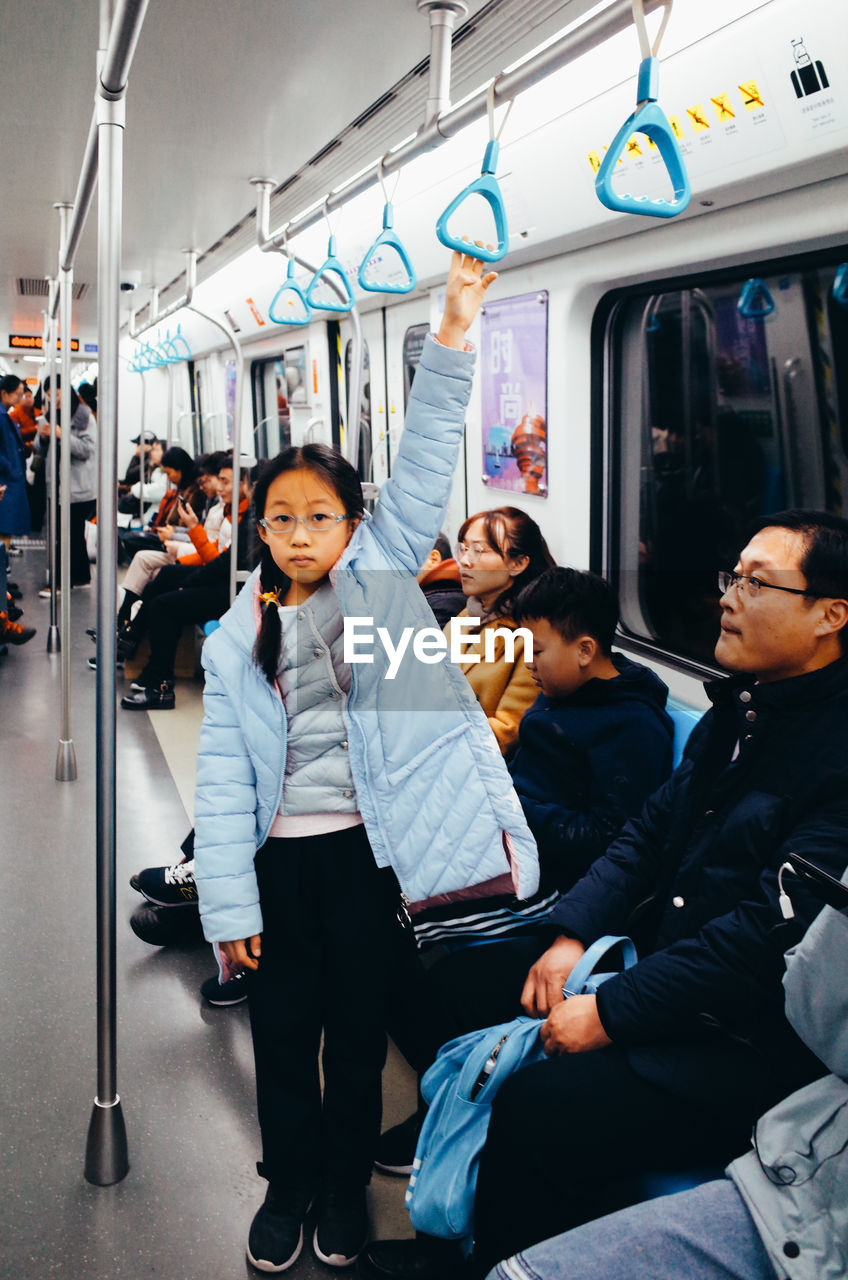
(581, 39)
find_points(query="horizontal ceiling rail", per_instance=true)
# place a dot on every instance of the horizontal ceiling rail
(568, 48)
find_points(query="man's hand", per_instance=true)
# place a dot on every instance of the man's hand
(466, 289)
(573, 1027)
(243, 953)
(543, 988)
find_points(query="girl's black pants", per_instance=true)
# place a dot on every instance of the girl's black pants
(331, 944)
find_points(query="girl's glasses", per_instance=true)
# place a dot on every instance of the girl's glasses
(319, 522)
(474, 550)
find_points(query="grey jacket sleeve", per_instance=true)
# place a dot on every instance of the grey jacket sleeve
(816, 986)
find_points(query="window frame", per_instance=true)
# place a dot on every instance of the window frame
(605, 438)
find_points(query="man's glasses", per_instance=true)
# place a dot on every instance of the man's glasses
(319, 522)
(745, 582)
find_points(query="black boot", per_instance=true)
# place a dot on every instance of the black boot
(158, 697)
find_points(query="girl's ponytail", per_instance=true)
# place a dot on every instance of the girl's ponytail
(274, 583)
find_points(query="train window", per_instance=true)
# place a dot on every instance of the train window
(364, 462)
(413, 345)
(272, 429)
(717, 417)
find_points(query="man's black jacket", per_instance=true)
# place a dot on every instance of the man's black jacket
(695, 880)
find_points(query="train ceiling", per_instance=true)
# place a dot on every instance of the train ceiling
(220, 90)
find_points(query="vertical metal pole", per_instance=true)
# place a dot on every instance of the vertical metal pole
(66, 760)
(443, 15)
(54, 642)
(142, 441)
(236, 346)
(106, 1156)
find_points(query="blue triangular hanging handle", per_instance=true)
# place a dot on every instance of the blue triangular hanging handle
(755, 301)
(488, 187)
(840, 285)
(648, 118)
(390, 238)
(291, 288)
(178, 337)
(331, 266)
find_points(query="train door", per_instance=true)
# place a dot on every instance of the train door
(372, 460)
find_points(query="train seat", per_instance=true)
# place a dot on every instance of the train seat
(684, 718)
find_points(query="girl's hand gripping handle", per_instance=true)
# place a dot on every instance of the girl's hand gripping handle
(466, 288)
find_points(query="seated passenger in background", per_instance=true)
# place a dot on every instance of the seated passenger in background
(669, 1065)
(499, 552)
(439, 580)
(183, 595)
(597, 741)
(180, 471)
(781, 1209)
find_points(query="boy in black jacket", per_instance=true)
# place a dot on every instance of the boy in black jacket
(597, 741)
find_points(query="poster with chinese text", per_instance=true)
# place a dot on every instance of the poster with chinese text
(514, 374)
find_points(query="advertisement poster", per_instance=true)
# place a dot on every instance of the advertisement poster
(514, 374)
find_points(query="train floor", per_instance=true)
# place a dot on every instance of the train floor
(185, 1070)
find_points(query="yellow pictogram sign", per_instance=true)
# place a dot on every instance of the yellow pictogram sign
(751, 95)
(594, 160)
(723, 109)
(676, 127)
(698, 117)
(633, 148)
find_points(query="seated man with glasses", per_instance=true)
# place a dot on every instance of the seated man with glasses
(667, 1068)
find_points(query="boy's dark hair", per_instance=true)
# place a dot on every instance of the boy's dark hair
(443, 546)
(337, 474)
(825, 560)
(210, 464)
(574, 603)
(10, 382)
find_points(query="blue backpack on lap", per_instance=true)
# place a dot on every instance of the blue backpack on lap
(459, 1089)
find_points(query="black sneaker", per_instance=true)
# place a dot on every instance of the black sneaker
(165, 927)
(341, 1227)
(396, 1148)
(168, 886)
(92, 662)
(221, 994)
(276, 1233)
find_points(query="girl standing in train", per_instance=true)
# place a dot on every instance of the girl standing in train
(83, 447)
(499, 552)
(316, 800)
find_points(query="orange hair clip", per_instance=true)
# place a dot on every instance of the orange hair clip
(270, 597)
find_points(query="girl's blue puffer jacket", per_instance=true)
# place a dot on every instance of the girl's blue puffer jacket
(433, 790)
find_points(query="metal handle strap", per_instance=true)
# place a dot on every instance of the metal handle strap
(646, 48)
(490, 105)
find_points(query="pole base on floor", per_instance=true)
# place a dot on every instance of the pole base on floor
(54, 642)
(106, 1157)
(66, 761)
